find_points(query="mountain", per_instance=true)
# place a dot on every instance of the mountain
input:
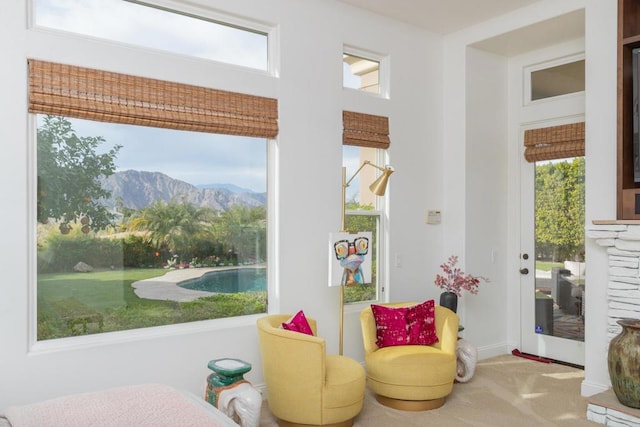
(231, 187)
(137, 189)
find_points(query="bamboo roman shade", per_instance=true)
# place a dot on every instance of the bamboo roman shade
(365, 130)
(555, 142)
(86, 93)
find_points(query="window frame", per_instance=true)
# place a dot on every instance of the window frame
(90, 52)
(382, 258)
(383, 70)
(269, 30)
(129, 335)
(380, 263)
(529, 69)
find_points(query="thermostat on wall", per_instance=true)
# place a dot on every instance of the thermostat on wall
(433, 217)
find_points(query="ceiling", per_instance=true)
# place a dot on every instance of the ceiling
(441, 16)
(448, 16)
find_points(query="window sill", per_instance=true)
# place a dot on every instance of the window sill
(133, 335)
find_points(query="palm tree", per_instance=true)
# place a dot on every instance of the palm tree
(174, 225)
(245, 230)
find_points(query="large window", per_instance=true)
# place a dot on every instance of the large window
(151, 26)
(151, 199)
(141, 226)
(364, 213)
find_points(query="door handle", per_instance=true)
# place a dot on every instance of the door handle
(524, 271)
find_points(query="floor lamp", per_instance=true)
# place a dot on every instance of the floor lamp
(378, 188)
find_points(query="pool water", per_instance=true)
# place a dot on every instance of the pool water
(229, 281)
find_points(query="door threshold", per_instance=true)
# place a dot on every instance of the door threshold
(541, 359)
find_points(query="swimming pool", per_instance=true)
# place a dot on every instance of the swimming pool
(229, 281)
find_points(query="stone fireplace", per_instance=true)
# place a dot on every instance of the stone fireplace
(622, 242)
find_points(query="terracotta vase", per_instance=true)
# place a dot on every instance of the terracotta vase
(449, 300)
(623, 360)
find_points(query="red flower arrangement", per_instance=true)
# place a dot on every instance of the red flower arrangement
(455, 280)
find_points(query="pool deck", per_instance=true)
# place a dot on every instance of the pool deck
(165, 288)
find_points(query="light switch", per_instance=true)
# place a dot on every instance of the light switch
(433, 217)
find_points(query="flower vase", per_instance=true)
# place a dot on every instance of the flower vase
(623, 360)
(449, 300)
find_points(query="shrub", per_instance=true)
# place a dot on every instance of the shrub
(138, 252)
(61, 253)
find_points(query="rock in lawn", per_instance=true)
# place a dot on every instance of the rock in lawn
(82, 267)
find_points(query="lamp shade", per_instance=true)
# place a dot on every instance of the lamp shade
(379, 186)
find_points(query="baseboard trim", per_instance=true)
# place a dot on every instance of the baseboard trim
(589, 388)
(489, 351)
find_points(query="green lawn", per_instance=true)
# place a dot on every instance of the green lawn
(548, 265)
(98, 290)
(103, 301)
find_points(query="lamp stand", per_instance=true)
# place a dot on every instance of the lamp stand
(343, 228)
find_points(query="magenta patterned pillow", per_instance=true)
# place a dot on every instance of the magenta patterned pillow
(421, 324)
(391, 325)
(298, 323)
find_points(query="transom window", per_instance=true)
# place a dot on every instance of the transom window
(555, 79)
(364, 71)
(150, 26)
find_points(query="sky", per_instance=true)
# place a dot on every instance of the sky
(132, 23)
(196, 158)
(193, 157)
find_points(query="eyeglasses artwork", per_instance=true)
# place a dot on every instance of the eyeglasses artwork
(351, 256)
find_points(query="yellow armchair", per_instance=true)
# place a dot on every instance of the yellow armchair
(412, 377)
(304, 385)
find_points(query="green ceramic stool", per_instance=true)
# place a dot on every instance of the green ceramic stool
(228, 391)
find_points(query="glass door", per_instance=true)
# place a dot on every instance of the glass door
(552, 259)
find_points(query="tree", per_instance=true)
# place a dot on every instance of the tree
(560, 209)
(175, 225)
(69, 172)
(245, 229)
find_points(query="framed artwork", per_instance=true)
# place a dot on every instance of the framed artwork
(350, 258)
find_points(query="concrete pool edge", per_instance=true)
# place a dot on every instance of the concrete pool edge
(165, 288)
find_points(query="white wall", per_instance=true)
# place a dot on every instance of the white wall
(486, 198)
(307, 190)
(600, 127)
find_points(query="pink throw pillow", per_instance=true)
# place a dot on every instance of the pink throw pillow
(298, 323)
(391, 325)
(421, 324)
